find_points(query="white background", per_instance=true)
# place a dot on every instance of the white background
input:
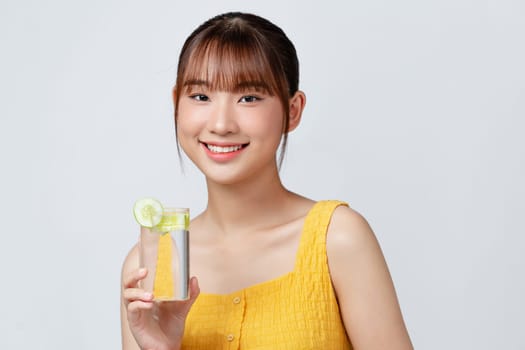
(415, 115)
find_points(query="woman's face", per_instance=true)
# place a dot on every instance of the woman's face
(230, 136)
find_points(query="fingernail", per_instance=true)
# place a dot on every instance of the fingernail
(148, 296)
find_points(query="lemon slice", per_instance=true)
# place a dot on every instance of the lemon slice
(148, 212)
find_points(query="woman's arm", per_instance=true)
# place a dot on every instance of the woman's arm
(362, 282)
(130, 264)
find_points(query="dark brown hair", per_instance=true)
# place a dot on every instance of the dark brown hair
(235, 50)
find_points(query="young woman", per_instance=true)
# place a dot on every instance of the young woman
(275, 270)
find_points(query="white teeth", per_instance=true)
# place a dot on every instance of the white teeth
(219, 149)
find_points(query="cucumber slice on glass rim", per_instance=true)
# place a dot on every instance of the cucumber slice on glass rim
(148, 212)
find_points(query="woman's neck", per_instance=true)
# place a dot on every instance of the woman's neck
(247, 206)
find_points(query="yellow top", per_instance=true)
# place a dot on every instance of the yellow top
(298, 310)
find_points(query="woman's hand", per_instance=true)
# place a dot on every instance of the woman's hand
(153, 325)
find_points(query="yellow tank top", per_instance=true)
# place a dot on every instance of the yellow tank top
(298, 310)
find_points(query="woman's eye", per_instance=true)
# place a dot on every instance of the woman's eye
(200, 97)
(249, 99)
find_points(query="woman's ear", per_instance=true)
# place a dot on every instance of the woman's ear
(297, 103)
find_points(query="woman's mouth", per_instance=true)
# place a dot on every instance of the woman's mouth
(224, 149)
(223, 152)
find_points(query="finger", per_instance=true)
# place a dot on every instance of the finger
(132, 294)
(131, 280)
(137, 306)
(194, 288)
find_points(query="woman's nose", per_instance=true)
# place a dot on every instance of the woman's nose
(222, 119)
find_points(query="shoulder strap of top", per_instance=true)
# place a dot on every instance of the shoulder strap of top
(311, 254)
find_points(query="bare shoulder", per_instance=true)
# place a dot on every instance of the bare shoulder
(349, 231)
(352, 247)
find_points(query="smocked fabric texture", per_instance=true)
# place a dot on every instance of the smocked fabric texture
(296, 311)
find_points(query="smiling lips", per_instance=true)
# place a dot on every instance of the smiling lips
(223, 152)
(221, 149)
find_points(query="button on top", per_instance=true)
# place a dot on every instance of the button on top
(236, 300)
(230, 337)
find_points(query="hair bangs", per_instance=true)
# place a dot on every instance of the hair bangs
(237, 65)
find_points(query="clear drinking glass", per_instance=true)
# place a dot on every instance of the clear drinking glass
(164, 251)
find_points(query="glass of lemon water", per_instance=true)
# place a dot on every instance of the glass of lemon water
(164, 249)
